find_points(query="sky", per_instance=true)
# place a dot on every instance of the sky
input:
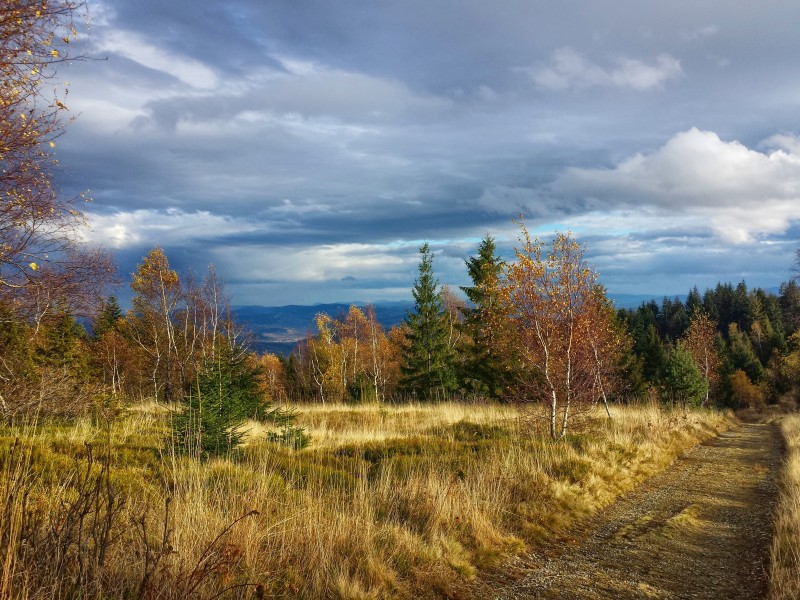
(307, 148)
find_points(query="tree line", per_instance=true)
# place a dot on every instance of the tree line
(744, 343)
(541, 328)
(537, 328)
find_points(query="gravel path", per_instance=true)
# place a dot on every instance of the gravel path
(700, 529)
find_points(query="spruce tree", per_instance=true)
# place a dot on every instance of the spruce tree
(225, 393)
(683, 382)
(741, 307)
(484, 371)
(742, 354)
(651, 349)
(17, 366)
(108, 318)
(61, 345)
(694, 302)
(427, 367)
(789, 302)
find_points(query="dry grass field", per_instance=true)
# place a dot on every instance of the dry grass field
(785, 564)
(387, 501)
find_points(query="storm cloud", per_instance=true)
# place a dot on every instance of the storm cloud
(308, 148)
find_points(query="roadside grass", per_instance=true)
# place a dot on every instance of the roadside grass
(407, 501)
(785, 556)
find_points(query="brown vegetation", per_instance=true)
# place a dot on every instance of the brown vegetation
(419, 507)
(785, 564)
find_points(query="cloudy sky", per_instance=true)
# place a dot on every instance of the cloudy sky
(307, 148)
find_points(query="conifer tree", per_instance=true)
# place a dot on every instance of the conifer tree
(694, 302)
(484, 367)
(742, 355)
(683, 382)
(742, 308)
(17, 367)
(225, 393)
(60, 342)
(654, 355)
(108, 318)
(789, 302)
(63, 367)
(427, 366)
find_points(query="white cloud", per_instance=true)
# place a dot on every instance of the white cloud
(329, 262)
(790, 143)
(134, 47)
(129, 229)
(740, 193)
(568, 69)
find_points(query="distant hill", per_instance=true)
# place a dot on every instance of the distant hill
(634, 300)
(277, 329)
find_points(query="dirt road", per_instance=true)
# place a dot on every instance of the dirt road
(701, 529)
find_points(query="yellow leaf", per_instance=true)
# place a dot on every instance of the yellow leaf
(54, 53)
(33, 266)
(52, 144)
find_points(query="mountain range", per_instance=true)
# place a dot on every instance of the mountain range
(278, 329)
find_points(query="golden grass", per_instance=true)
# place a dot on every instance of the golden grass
(388, 501)
(334, 425)
(785, 555)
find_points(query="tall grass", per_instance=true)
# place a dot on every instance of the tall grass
(785, 556)
(387, 502)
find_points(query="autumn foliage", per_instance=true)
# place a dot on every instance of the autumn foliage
(701, 342)
(42, 260)
(48, 275)
(560, 329)
(351, 358)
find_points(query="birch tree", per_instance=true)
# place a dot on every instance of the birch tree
(40, 231)
(158, 292)
(554, 324)
(700, 341)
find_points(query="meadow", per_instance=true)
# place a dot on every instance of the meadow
(388, 501)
